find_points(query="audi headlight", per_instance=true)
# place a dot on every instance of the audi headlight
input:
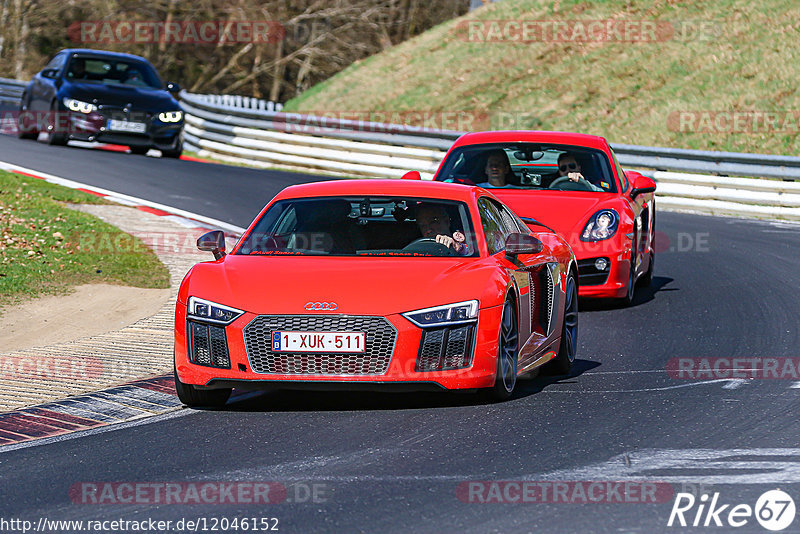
(206, 310)
(601, 225)
(79, 106)
(170, 116)
(460, 312)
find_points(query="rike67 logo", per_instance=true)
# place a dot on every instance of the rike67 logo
(774, 510)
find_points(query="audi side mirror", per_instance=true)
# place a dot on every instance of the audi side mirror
(412, 175)
(517, 244)
(213, 242)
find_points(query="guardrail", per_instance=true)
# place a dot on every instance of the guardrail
(256, 132)
(11, 91)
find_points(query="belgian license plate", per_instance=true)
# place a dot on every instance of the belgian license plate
(126, 126)
(334, 342)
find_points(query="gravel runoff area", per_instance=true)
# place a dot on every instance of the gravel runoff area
(139, 350)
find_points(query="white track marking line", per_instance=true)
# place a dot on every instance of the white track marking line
(123, 198)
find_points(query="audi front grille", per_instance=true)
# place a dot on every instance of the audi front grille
(380, 340)
(208, 345)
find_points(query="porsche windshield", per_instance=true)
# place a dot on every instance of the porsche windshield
(530, 166)
(363, 226)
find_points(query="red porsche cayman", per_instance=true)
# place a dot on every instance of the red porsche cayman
(573, 184)
(376, 284)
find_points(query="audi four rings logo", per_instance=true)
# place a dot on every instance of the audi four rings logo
(321, 306)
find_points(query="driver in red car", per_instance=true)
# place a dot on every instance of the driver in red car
(434, 223)
(568, 166)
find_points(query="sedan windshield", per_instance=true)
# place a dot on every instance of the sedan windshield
(363, 226)
(530, 166)
(112, 72)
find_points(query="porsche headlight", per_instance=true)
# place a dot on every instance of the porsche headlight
(79, 106)
(170, 116)
(206, 310)
(460, 312)
(602, 225)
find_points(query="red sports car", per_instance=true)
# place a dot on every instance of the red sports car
(573, 184)
(376, 284)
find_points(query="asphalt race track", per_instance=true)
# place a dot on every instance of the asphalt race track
(723, 288)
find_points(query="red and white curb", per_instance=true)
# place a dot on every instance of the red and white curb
(182, 217)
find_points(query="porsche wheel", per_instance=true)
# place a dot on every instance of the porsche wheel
(647, 278)
(208, 398)
(562, 363)
(627, 300)
(507, 353)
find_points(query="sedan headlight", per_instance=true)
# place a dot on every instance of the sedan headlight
(170, 116)
(79, 106)
(602, 225)
(460, 312)
(206, 310)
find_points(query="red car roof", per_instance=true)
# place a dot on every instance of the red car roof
(531, 136)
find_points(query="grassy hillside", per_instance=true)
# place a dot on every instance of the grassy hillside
(710, 55)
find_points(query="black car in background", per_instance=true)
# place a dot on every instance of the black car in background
(108, 97)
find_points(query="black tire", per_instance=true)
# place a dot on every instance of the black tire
(55, 137)
(627, 300)
(174, 153)
(200, 398)
(507, 355)
(140, 150)
(647, 278)
(562, 363)
(30, 133)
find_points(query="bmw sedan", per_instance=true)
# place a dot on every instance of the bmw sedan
(93, 95)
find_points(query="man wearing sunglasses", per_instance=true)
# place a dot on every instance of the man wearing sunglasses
(569, 166)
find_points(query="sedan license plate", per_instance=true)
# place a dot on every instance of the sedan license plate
(319, 342)
(126, 126)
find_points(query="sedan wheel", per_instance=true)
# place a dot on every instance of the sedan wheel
(55, 137)
(507, 353)
(25, 128)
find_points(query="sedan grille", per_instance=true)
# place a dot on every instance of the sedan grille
(380, 340)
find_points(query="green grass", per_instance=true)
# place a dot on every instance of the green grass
(745, 60)
(46, 248)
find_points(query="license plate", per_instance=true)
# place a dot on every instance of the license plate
(126, 126)
(341, 342)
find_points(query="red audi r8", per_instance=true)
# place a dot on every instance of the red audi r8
(376, 284)
(573, 184)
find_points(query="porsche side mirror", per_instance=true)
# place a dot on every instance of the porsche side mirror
(517, 244)
(213, 242)
(412, 175)
(641, 185)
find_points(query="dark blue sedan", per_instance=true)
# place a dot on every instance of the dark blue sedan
(94, 95)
